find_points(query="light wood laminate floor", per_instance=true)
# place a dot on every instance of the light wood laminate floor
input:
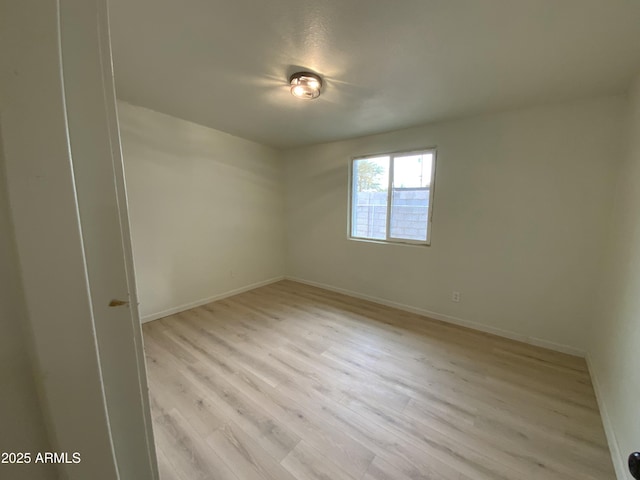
(290, 382)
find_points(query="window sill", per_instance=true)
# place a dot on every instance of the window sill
(408, 243)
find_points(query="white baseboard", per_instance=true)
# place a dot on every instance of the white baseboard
(619, 462)
(204, 301)
(448, 318)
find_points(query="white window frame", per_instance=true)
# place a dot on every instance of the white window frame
(392, 156)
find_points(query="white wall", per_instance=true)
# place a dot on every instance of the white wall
(207, 210)
(615, 349)
(21, 419)
(520, 203)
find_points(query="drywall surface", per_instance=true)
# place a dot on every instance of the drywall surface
(521, 200)
(21, 420)
(206, 209)
(614, 351)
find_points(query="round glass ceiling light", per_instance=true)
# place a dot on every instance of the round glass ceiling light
(305, 85)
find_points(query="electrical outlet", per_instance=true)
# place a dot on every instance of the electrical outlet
(455, 297)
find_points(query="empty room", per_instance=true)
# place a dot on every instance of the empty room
(347, 240)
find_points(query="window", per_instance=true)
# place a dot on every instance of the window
(392, 197)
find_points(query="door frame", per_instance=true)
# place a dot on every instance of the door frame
(64, 330)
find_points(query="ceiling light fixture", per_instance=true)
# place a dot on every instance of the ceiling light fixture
(305, 85)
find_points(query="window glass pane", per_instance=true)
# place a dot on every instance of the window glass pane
(369, 202)
(410, 196)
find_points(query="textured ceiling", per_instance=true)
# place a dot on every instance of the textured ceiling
(387, 64)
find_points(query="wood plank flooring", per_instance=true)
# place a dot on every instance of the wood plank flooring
(291, 382)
